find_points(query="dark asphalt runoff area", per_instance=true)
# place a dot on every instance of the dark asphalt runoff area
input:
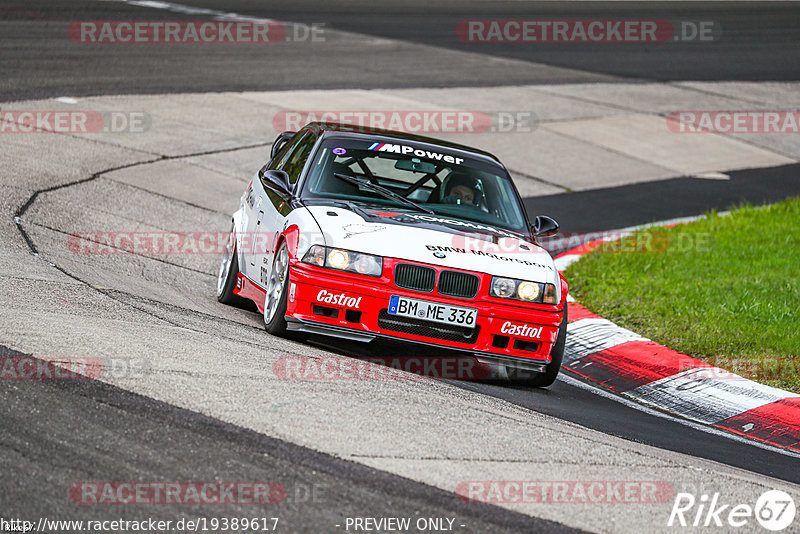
(756, 41)
(54, 433)
(613, 208)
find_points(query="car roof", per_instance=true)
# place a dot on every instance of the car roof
(351, 130)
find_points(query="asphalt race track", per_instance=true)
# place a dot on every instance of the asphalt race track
(204, 403)
(759, 44)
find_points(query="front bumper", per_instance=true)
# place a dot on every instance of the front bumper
(354, 307)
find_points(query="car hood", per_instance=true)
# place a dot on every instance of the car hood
(436, 240)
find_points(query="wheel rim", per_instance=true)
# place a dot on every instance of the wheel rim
(225, 265)
(280, 270)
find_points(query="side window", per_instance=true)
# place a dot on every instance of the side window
(280, 158)
(296, 161)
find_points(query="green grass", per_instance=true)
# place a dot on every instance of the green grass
(725, 289)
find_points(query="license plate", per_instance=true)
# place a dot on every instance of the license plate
(433, 311)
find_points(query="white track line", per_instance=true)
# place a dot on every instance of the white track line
(191, 10)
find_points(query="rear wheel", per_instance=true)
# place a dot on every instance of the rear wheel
(228, 274)
(277, 293)
(542, 380)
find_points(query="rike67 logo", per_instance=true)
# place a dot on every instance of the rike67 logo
(774, 510)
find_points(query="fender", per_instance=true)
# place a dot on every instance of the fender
(564, 289)
(292, 237)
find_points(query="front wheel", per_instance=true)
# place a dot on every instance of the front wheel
(277, 293)
(542, 380)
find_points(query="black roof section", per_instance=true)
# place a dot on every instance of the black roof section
(340, 128)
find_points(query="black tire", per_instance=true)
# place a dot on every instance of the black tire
(225, 289)
(545, 379)
(276, 325)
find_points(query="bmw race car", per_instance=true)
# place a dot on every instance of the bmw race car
(363, 233)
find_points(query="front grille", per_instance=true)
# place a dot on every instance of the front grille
(414, 277)
(457, 284)
(417, 327)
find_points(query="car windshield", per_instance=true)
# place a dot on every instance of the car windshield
(434, 178)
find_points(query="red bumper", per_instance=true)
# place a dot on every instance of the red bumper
(344, 300)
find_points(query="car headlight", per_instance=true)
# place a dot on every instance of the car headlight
(338, 259)
(503, 287)
(509, 288)
(344, 260)
(367, 264)
(529, 291)
(315, 256)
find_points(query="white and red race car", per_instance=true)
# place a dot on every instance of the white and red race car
(361, 234)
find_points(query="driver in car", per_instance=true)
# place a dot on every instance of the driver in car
(462, 189)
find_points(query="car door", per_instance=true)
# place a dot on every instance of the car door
(272, 206)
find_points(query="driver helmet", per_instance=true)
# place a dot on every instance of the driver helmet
(462, 189)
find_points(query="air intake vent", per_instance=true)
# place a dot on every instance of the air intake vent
(457, 284)
(414, 277)
(419, 327)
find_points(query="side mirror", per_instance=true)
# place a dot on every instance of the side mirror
(544, 226)
(279, 142)
(277, 181)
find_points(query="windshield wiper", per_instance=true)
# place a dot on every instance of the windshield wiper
(387, 193)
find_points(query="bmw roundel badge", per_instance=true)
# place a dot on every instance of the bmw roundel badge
(439, 254)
